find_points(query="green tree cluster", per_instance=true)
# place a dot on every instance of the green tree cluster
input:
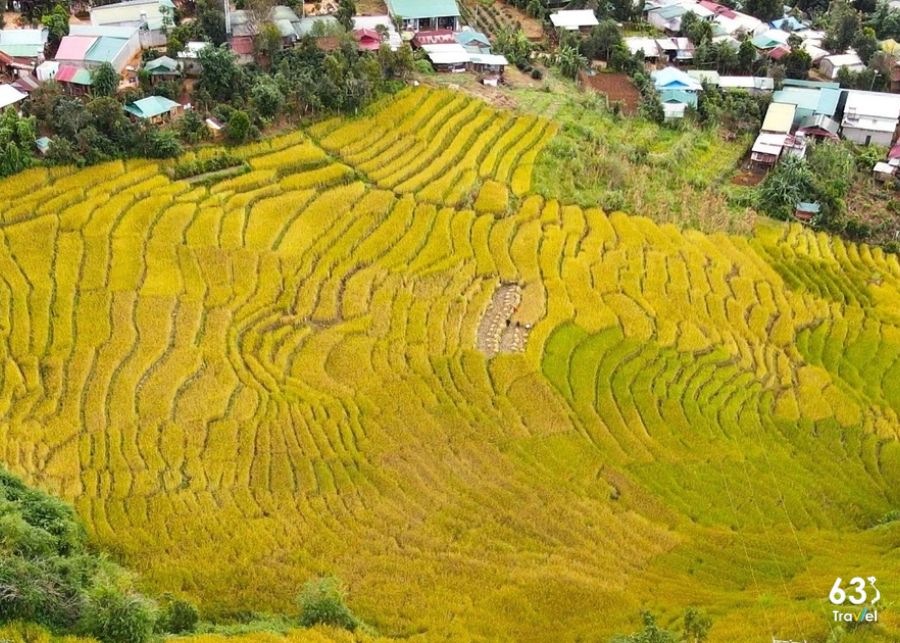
(50, 576)
(17, 135)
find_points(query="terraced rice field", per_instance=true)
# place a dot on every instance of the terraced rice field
(245, 385)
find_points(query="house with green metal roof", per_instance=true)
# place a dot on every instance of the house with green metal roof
(154, 109)
(422, 15)
(809, 101)
(162, 68)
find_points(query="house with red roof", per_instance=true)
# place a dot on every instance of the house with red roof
(367, 39)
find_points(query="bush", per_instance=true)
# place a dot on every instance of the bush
(321, 602)
(537, 74)
(178, 617)
(114, 616)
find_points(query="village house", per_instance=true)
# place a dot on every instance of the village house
(379, 24)
(162, 68)
(870, 117)
(154, 109)
(150, 17)
(21, 50)
(582, 20)
(643, 44)
(418, 15)
(367, 39)
(447, 57)
(809, 102)
(189, 57)
(830, 66)
(473, 41)
(676, 91)
(667, 18)
(88, 47)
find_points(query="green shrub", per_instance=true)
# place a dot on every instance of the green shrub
(177, 617)
(321, 601)
(116, 616)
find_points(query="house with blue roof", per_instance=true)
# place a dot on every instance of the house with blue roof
(424, 15)
(676, 91)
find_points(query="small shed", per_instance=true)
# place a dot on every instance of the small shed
(884, 171)
(42, 144)
(767, 148)
(806, 210)
(215, 127)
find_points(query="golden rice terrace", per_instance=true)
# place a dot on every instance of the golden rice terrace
(376, 355)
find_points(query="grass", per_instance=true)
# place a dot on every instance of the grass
(621, 163)
(247, 385)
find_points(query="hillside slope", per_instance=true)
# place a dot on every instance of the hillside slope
(526, 422)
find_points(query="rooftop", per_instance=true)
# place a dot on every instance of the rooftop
(779, 118)
(413, 9)
(571, 20)
(10, 95)
(151, 106)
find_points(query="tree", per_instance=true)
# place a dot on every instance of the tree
(160, 143)
(746, 56)
(321, 602)
(766, 10)
(267, 97)
(345, 12)
(268, 41)
(602, 39)
(16, 142)
(789, 183)
(513, 44)
(104, 81)
(796, 62)
(57, 23)
(843, 26)
(696, 29)
(651, 633)
(211, 19)
(866, 44)
(222, 78)
(238, 128)
(33, 10)
(570, 61)
(696, 626)
(192, 128)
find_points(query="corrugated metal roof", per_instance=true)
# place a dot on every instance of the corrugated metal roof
(574, 19)
(23, 37)
(74, 47)
(412, 9)
(10, 95)
(22, 51)
(779, 118)
(151, 106)
(73, 74)
(105, 49)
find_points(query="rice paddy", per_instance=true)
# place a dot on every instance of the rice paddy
(284, 374)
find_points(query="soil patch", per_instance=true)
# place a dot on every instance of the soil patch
(616, 87)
